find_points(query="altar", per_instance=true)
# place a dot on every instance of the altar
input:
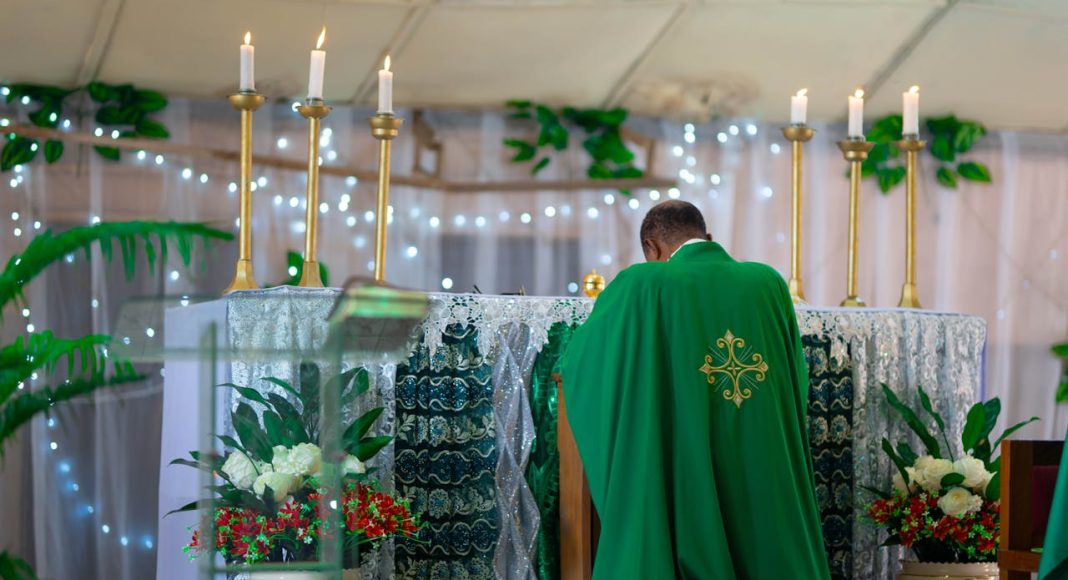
(474, 415)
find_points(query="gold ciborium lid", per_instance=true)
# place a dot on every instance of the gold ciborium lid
(592, 284)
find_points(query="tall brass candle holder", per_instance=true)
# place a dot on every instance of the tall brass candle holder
(797, 135)
(246, 102)
(314, 111)
(384, 127)
(910, 145)
(855, 150)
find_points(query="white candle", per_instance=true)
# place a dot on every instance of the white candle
(385, 89)
(856, 115)
(911, 111)
(315, 72)
(248, 77)
(799, 107)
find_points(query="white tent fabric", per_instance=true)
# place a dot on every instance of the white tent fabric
(89, 504)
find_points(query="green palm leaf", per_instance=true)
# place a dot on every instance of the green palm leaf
(86, 357)
(14, 568)
(48, 247)
(43, 350)
(24, 405)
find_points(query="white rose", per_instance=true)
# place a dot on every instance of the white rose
(914, 479)
(958, 501)
(976, 477)
(279, 455)
(353, 465)
(930, 471)
(302, 459)
(240, 470)
(280, 483)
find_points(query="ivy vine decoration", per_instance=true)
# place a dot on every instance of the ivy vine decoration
(610, 158)
(124, 108)
(948, 138)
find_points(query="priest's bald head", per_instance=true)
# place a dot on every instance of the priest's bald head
(668, 226)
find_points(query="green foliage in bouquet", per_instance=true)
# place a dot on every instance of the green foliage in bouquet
(267, 505)
(1061, 350)
(975, 439)
(85, 360)
(610, 158)
(123, 108)
(287, 425)
(942, 507)
(948, 138)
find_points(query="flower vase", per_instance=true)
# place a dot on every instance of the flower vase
(912, 570)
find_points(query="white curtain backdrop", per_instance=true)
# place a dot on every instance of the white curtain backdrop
(87, 508)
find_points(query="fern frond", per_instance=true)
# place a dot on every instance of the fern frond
(43, 351)
(23, 406)
(48, 247)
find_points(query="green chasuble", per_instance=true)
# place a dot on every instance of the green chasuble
(686, 390)
(1054, 564)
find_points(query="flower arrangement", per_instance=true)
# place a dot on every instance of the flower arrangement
(268, 506)
(944, 509)
(244, 535)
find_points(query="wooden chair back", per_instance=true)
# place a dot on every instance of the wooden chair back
(1028, 478)
(578, 520)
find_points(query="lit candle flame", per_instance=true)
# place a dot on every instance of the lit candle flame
(385, 65)
(248, 37)
(322, 37)
(915, 89)
(859, 94)
(802, 92)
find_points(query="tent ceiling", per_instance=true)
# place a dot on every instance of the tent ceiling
(984, 59)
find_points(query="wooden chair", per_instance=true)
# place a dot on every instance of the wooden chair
(1028, 479)
(579, 526)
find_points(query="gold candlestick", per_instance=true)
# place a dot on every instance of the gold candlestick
(246, 102)
(384, 127)
(313, 110)
(797, 135)
(910, 145)
(855, 152)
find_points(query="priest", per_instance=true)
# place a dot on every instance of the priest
(686, 390)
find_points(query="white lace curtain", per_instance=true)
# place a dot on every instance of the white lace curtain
(86, 508)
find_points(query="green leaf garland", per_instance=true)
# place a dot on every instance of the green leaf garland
(947, 139)
(123, 108)
(610, 158)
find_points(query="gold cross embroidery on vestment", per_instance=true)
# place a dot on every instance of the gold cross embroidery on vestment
(726, 361)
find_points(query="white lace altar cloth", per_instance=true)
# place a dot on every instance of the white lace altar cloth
(900, 348)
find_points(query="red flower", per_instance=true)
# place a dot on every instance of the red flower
(943, 528)
(960, 533)
(987, 545)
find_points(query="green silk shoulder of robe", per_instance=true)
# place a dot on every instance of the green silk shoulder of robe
(687, 390)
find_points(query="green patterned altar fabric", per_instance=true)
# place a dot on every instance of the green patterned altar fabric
(830, 423)
(446, 459)
(543, 472)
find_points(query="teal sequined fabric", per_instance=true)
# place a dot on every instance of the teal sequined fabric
(446, 459)
(543, 472)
